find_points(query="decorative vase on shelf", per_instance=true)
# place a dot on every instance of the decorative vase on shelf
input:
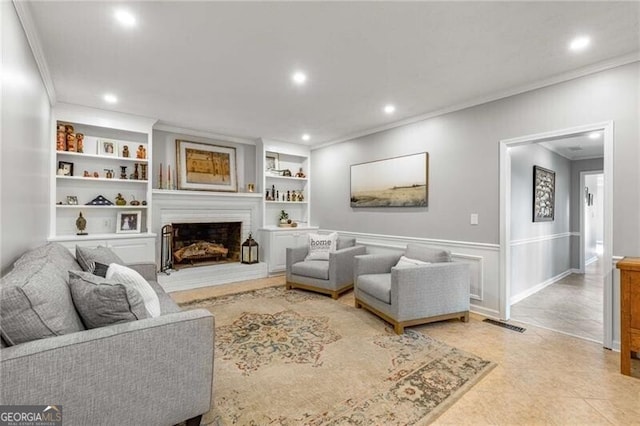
(81, 224)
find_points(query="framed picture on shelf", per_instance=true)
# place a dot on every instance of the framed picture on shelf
(205, 167)
(544, 194)
(129, 222)
(271, 162)
(392, 182)
(72, 200)
(65, 168)
(107, 147)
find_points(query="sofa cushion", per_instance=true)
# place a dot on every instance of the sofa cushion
(100, 269)
(376, 285)
(312, 268)
(36, 302)
(427, 254)
(405, 262)
(320, 246)
(87, 257)
(53, 253)
(133, 279)
(167, 305)
(101, 302)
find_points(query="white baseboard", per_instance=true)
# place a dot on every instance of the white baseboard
(528, 292)
(486, 312)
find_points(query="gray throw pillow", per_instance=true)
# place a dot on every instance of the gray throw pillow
(87, 257)
(36, 303)
(101, 302)
(427, 254)
(100, 269)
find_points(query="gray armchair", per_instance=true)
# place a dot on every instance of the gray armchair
(412, 295)
(332, 277)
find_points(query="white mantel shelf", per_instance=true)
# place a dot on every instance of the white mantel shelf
(182, 193)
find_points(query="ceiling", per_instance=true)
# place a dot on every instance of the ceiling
(578, 147)
(225, 67)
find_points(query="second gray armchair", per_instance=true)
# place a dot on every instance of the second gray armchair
(413, 294)
(332, 277)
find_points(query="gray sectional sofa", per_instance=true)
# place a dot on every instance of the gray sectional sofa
(154, 371)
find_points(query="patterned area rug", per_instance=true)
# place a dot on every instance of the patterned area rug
(297, 358)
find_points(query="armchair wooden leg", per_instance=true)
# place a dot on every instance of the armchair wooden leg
(465, 318)
(334, 295)
(398, 328)
(194, 421)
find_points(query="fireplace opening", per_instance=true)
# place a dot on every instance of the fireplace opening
(198, 244)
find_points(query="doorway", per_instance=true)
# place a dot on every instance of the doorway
(509, 291)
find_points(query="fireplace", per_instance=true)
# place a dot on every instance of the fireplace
(209, 243)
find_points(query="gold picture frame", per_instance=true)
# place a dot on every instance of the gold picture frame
(206, 167)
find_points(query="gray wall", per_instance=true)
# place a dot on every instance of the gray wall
(26, 143)
(577, 197)
(539, 250)
(164, 151)
(464, 161)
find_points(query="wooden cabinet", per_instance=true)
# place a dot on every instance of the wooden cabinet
(276, 241)
(629, 311)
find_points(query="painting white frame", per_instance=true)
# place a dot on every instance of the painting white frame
(120, 222)
(103, 149)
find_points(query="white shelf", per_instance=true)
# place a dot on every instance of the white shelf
(268, 176)
(106, 236)
(286, 202)
(180, 192)
(102, 157)
(100, 179)
(84, 206)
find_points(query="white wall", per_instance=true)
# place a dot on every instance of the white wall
(577, 197)
(540, 251)
(464, 165)
(25, 145)
(593, 216)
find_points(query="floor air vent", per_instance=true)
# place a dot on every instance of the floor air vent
(505, 325)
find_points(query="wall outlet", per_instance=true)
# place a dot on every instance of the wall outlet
(474, 218)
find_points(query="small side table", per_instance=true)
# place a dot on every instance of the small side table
(629, 311)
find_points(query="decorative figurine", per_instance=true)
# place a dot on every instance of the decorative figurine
(288, 195)
(81, 224)
(109, 173)
(123, 172)
(143, 171)
(61, 140)
(96, 175)
(300, 174)
(71, 142)
(80, 143)
(286, 172)
(144, 202)
(86, 174)
(160, 180)
(125, 151)
(120, 201)
(142, 152)
(136, 175)
(134, 202)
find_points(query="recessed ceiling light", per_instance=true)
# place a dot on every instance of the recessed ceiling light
(125, 18)
(389, 109)
(306, 137)
(109, 98)
(299, 77)
(579, 43)
(595, 135)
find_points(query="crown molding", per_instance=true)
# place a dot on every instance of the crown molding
(24, 14)
(203, 134)
(560, 78)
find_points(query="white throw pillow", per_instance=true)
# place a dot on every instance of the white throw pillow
(320, 246)
(405, 262)
(132, 279)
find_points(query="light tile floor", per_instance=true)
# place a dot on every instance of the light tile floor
(542, 377)
(572, 305)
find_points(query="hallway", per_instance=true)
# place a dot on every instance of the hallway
(572, 305)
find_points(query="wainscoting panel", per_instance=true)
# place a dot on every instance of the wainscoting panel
(483, 259)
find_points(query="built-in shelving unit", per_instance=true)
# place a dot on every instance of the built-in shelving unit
(106, 134)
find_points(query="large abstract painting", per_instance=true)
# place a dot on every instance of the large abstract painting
(544, 194)
(393, 182)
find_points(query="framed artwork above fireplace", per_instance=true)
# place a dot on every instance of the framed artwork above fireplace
(206, 167)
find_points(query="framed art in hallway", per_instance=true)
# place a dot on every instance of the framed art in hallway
(544, 193)
(393, 182)
(205, 167)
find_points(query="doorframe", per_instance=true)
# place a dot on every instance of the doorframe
(505, 216)
(583, 175)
